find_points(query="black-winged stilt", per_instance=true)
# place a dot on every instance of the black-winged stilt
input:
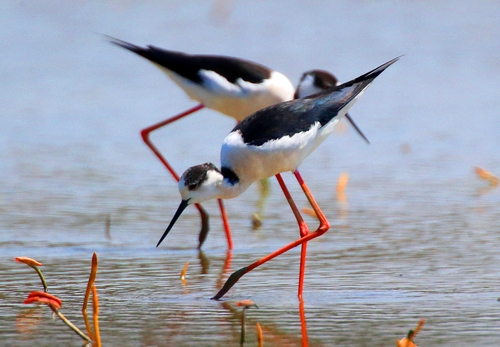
(273, 140)
(232, 86)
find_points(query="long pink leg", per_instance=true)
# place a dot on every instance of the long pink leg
(304, 230)
(203, 214)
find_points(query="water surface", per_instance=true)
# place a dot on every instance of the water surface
(417, 236)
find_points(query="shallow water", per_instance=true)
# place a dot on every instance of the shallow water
(417, 236)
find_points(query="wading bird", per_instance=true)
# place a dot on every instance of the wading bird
(271, 141)
(232, 86)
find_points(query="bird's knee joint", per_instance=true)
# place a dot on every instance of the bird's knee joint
(323, 228)
(145, 135)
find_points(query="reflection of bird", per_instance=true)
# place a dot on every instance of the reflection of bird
(273, 140)
(232, 86)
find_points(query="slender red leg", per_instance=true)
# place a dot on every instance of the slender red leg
(145, 136)
(203, 213)
(227, 229)
(303, 229)
(225, 269)
(323, 223)
(323, 228)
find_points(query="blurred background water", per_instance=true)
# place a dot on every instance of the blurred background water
(417, 237)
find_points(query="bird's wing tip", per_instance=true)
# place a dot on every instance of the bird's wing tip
(121, 43)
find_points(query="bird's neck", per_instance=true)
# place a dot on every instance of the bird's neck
(231, 185)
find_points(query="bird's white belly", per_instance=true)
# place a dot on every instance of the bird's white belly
(235, 100)
(241, 107)
(252, 163)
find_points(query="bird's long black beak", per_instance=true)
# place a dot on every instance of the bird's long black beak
(180, 209)
(356, 127)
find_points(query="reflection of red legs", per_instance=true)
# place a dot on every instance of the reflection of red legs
(203, 214)
(305, 237)
(204, 262)
(303, 324)
(225, 269)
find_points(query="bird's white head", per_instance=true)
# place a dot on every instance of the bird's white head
(197, 184)
(314, 81)
(200, 183)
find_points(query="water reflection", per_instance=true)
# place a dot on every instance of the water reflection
(355, 299)
(303, 324)
(28, 321)
(271, 333)
(274, 334)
